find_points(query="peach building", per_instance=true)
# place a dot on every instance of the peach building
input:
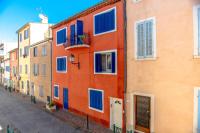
(14, 68)
(163, 66)
(40, 73)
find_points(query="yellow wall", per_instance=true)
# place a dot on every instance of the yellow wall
(41, 80)
(23, 61)
(172, 76)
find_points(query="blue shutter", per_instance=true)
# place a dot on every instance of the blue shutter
(63, 64)
(91, 99)
(98, 65)
(72, 34)
(79, 31)
(198, 110)
(55, 91)
(61, 36)
(99, 100)
(105, 22)
(113, 62)
(96, 99)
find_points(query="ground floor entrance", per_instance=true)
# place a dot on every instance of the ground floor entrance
(116, 114)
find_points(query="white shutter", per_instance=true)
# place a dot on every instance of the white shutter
(198, 13)
(140, 40)
(149, 38)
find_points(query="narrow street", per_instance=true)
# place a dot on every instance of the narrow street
(29, 119)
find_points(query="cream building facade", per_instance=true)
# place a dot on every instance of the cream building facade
(28, 34)
(163, 74)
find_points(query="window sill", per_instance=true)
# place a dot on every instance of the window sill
(196, 57)
(103, 73)
(146, 59)
(56, 98)
(101, 111)
(61, 71)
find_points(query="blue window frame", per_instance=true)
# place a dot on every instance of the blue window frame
(7, 68)
(56, 91)
(105, 62)
(105, 22)
(61, 36)
(96, 99)
(61, 64)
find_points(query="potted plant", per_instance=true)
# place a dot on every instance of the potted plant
(51, 106)
(9, 88)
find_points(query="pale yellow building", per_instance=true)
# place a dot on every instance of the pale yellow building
(163, 66)
(28, 34)
(40, 55)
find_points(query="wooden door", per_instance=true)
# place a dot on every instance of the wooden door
(142, 113)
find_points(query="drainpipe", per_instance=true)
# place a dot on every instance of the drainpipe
(125, 61)
(51, 66)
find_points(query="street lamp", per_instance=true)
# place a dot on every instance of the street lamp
(72, 60)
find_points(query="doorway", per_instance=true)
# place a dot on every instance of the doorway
(142, 113)
(116, 115)
(65, 98)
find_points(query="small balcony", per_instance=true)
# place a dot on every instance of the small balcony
(77, 41)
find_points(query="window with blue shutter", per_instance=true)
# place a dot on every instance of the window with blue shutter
(105, 22)
(145, 39)
(96, 99)
(61, 36)
(72, 34)
(56, 91)
(79, 24)
(105, 62)
(61, 64)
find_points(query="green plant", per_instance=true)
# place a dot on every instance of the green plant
(51, 104)
(9, 88)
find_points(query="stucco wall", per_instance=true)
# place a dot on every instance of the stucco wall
(78, 81)
(172, 76)
(41, 80)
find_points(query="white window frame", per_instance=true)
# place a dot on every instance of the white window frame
(66, 64)
(152, 110)
(154, 39)
(195, 29)
(103, 13)
(60, 44)
(101, 111)
(107, 51)
(54, 92)
(195, 115)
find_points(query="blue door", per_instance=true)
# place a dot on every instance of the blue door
(65, 98)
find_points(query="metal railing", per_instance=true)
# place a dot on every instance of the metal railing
(77, 40)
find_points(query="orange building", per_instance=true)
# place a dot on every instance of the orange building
(88, 63)
(14, 68)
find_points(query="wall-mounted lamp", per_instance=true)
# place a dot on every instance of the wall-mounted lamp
(72, 60)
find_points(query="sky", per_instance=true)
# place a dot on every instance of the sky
(15, 13)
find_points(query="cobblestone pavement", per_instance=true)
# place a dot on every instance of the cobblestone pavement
(29, 119)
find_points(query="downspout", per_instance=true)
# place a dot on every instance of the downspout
(125, 61)
(51, 67)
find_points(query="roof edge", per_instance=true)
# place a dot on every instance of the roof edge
(86, 12)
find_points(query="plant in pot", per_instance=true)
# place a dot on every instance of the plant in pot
(51, 106)
(9, 88)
